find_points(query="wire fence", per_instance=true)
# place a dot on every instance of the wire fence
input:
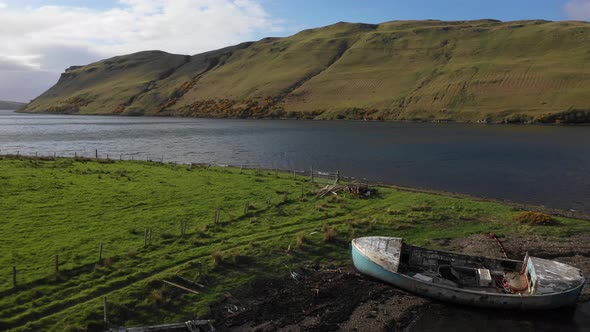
(70, 263)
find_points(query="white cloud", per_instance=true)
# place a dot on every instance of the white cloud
(51, 38)
(578, 10)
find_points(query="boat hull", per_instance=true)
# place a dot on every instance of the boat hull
(368, 267)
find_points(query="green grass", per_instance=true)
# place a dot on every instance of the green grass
(468, 71)
(67, 208)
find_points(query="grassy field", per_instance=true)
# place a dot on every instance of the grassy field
(469, 71)
(69, 207)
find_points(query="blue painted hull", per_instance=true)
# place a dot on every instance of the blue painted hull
(368, 267)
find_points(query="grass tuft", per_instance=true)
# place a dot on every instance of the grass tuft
(533, 218)
(217, 257)
(300, 240)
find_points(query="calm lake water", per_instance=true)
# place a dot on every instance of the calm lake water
(545, 165)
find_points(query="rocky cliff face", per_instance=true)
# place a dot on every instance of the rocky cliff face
(475, 71)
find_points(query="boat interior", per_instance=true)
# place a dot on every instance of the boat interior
(466, 272)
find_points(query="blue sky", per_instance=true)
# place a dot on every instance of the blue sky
(42, 38)
(313, 13)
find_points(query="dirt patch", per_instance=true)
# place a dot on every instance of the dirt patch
(318, 299)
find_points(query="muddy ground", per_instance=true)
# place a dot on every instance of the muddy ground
(337, 298)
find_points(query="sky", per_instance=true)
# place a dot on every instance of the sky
(41, 38)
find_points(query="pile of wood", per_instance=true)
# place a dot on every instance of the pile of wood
(356, 188)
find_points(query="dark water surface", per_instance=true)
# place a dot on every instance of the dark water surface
(545, 165)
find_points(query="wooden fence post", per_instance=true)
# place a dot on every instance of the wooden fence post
(100, 254)
(183, 227)
(105, 311)
(311, 174)
(14, 276)
(216, 218)
(75, 154)
(337, 176)
(96, 153)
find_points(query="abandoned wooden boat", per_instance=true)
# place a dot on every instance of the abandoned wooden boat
(534, 283)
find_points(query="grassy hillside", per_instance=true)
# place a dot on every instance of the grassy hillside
(10, 105)
(482, 70)
(260, 232)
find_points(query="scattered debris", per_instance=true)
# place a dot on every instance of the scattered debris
(181, 287)
(356, 188)
(188, 326)
(325, 299)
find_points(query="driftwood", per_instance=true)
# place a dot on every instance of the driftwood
(356, 188)
(181, 287)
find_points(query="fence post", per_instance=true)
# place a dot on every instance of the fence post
(337, 176)
(246, 207)
(145, 238)
(311, 174)
(105, 316)
(96, 153)
(75, 154)
(150, 237)
(182, 227)
(14, 276)
(100, 254)
(56, 264)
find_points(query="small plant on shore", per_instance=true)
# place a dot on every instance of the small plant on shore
(236, 257)
(422, 208)
(107, 262)
(132, 253)
(217, 257)
(203, 229)
(533, 218)
(329, 233)
(158, 297)
(300, 240)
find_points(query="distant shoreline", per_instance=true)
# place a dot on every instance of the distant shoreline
(304, 119)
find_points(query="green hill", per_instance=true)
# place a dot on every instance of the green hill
(474, 71)
(10, 105)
